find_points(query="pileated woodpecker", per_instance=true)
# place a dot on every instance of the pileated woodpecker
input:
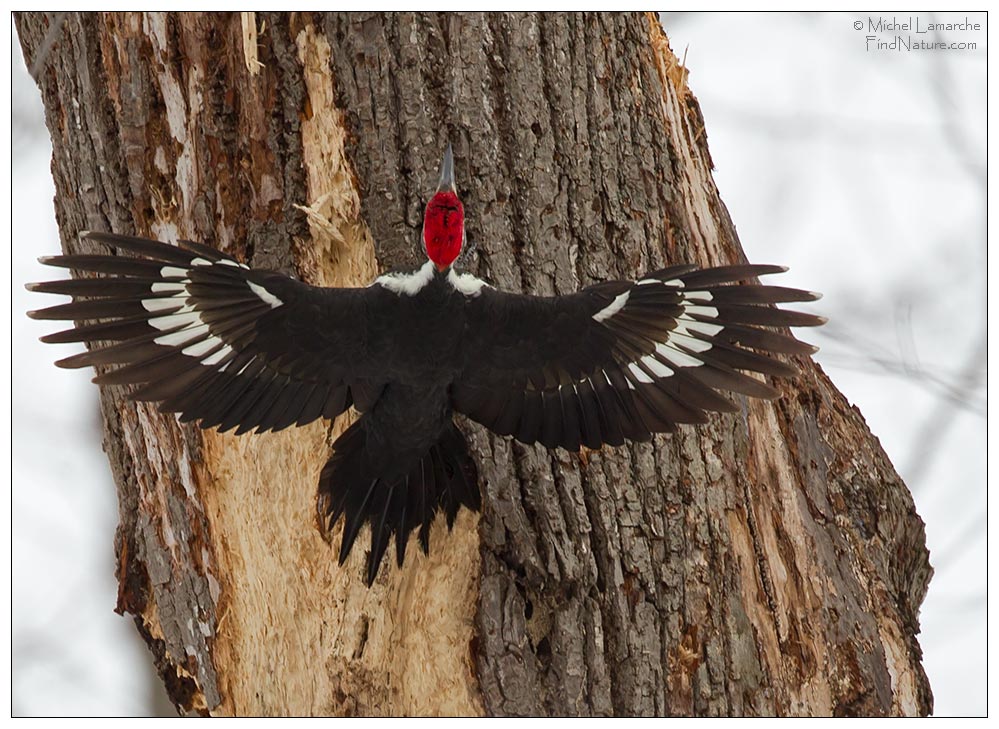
(234, 347)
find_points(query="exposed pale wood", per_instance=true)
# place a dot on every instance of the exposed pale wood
(770, 562)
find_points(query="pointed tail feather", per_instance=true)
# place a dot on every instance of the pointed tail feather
(363, 488)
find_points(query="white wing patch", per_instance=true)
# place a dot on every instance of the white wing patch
(698, 296)
(614, 307)
(182, 323)
(227, 262)
(689, 342)
(639, 373)
(266, 296)
(674, 353)
(200, 349)
(160, 286)
(465, 283)
(409, 284)
(657, 367)
(170, 302)
(218, 356)
(676, 358)
(685, 325)
(194, 330)
(705, 311)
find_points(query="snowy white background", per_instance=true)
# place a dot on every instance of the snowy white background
(863, 170)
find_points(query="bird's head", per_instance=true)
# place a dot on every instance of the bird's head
(444, 220)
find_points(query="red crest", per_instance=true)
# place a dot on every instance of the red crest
(444, 228)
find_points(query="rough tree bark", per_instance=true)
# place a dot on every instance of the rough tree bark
(770, 562)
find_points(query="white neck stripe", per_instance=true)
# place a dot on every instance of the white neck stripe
(465, 283)
(409, 284)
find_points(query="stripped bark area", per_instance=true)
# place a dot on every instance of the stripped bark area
(770, 562)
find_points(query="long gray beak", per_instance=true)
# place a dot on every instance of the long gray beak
(447, 171)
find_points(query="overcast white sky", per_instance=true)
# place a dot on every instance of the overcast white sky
(862, 169)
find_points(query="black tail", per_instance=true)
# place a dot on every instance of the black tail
(353, 485)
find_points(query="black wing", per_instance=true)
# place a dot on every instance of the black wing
(622, 360)
(208, 337)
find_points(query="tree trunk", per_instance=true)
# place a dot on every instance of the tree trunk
(770, 562)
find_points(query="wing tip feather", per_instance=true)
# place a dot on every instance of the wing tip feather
(75, 362)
